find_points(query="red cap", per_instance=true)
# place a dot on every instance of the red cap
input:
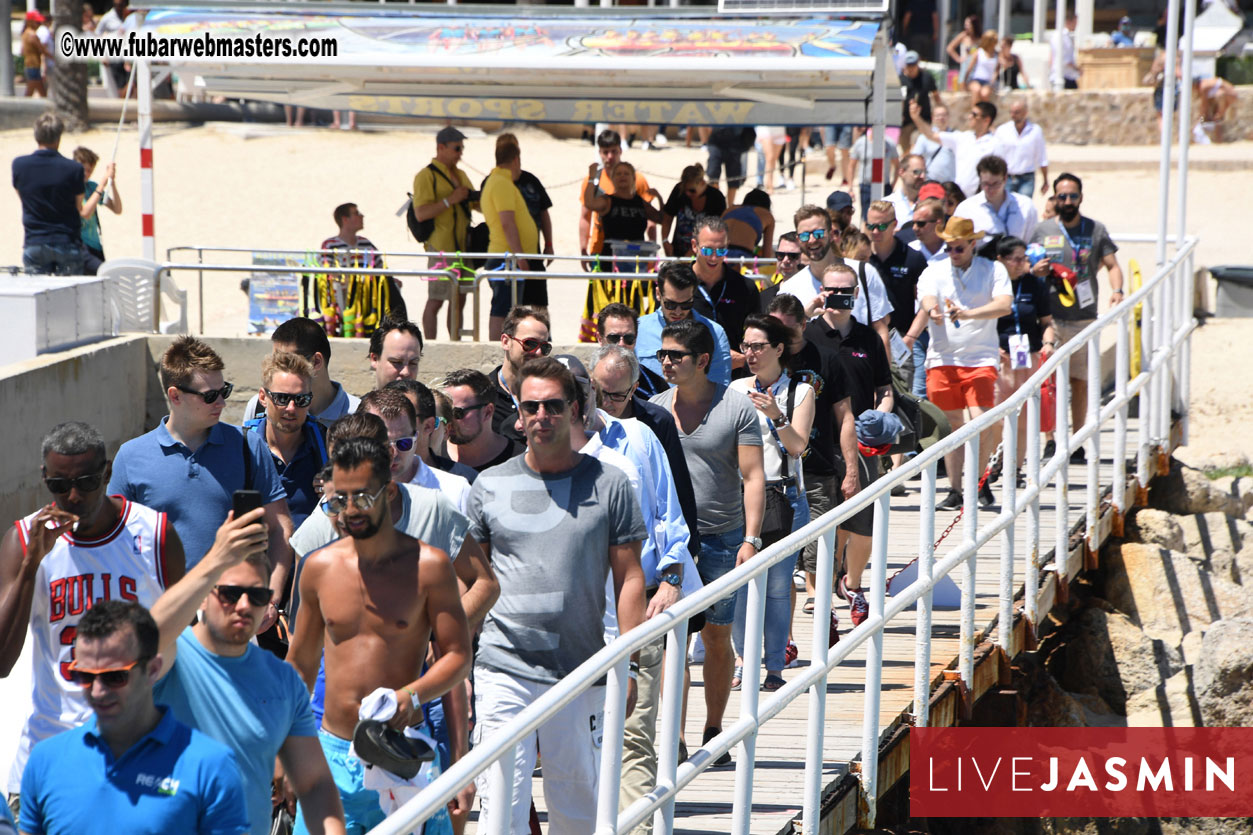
(931, 190)
(35, 16)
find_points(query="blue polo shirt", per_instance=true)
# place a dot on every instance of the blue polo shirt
(194, 487)
(173, 779)
(251, 703)
(297, 475)
(48, 184)
(648, 340)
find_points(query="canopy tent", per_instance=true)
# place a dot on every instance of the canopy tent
(521, 64)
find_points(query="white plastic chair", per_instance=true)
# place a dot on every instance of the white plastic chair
(132, 291)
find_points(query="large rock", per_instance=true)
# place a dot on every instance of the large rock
(1223, 679)
(1170, 704)
(1186, 490)
(1111, 657)
(1205, 826)
(1048, 705)
(1154, 527)
(1169, 594)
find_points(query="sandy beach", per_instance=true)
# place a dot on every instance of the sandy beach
(269, 187)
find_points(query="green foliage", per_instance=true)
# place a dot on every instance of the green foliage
(1242, 471)
(1237, 70)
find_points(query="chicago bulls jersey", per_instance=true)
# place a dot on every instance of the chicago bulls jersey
(127, 563)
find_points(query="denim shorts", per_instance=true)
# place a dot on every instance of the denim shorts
(717, 557)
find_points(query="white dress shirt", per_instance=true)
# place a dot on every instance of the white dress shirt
(969, 149)
(1016, 216)
(805, 286)
(456, 488)
(919, 246)
(903, 205)
(1024, 152)
(970, 343)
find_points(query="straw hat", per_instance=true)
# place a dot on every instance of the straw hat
(959, 229)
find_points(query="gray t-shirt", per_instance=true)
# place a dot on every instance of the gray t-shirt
(712, 454)
(550, 536)
(1082, 250)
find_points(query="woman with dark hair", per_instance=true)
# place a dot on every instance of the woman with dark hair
(965, 41)
(981, 69)
(691, 198)
(953, 196)
(785, 414)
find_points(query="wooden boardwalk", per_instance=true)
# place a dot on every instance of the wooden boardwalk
(705, 806)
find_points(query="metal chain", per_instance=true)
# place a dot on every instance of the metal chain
(994, 461)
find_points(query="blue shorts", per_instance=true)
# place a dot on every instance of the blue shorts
(717, 557)
(361, 805)
(841, 136)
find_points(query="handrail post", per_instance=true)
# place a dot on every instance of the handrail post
(1093, 444)
(926, 571)
(1185, 357)
(970, 528)
(1122, 365)
(874, 659)
(500, 792)
(750, 676)
(823, 583)
(511, 264)
(671, 711)
(1061, 435)
(1009, 505)
(1145, 397)
(1031, 577)
(616, 686)
(200, 298)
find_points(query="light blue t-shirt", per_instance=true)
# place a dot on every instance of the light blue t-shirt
(174, 779)
(194, 488)
(251, 704)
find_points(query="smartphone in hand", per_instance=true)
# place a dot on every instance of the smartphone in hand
(243, 501)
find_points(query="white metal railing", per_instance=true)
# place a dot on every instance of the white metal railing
(1164, 305)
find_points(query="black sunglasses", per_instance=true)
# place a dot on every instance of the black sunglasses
(617, 396)
(84, 483)
(282, 399)
(531, 344)
(624, 338)
(1067, 198)
(674, 356)
(553, 406)
(459, 412)
(114, 679)
(840, 291)
(669, 305)
(787, 256)
(211, 395)
(257, 595)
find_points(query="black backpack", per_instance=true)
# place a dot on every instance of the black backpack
(422, 229)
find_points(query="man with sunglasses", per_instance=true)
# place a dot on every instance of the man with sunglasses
(442, 191)
(216, 681)
(723, 446)
(724, 294)
(471, 439)
(618, 324)
(523, 336)
(676, 302)
(787, 254)
(133, 767)
(962, 297)
(296, 442)
(303, 336)
(1083, 245)
(968, 146)
(559, 525)
(192, 463)
(928, 221)
(913, 173)
(409, 432)
(84, 546)
(373, 601)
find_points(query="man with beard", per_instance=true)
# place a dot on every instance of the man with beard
(374, 600)
(1081, 244)
(216, 681)
(471, 439)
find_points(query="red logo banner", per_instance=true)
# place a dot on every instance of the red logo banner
(1081, 772)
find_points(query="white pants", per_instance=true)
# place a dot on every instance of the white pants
(569, 743)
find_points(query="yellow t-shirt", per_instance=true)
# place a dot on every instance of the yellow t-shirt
(449, 234)
(501, 195)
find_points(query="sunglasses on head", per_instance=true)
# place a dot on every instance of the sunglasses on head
(257, 595)
(211, 395)
(113, 678)
(669, 305)
(84, 483)
(530, 345)
(879, 227)
(624, 338)
(403, 444)
(360, 499)
(283, 399)
(553, 406)
(817, 235)
(675, 356)
(709, 251)
(460, 412)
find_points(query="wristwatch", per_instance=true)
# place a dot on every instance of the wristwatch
(781, 420)
(674, 578)
(754, 541)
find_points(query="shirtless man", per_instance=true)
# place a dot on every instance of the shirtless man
(33, 53)
(374, 599)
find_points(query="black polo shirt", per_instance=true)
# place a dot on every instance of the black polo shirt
(48, 184)
(729, 302)
(900, 271)
(506, 415)
(861, 358)
(829, 389)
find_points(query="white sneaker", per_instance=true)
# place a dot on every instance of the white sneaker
(696, 655)
(788, 185)
(1199, 136)
(645, 145)
(798, 580)
(660, 140)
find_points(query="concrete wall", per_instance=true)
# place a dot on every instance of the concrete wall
(105, 384)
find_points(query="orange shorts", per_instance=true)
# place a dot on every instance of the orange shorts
(953, 388)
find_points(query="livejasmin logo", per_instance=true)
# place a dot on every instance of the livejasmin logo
(1081, 772)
